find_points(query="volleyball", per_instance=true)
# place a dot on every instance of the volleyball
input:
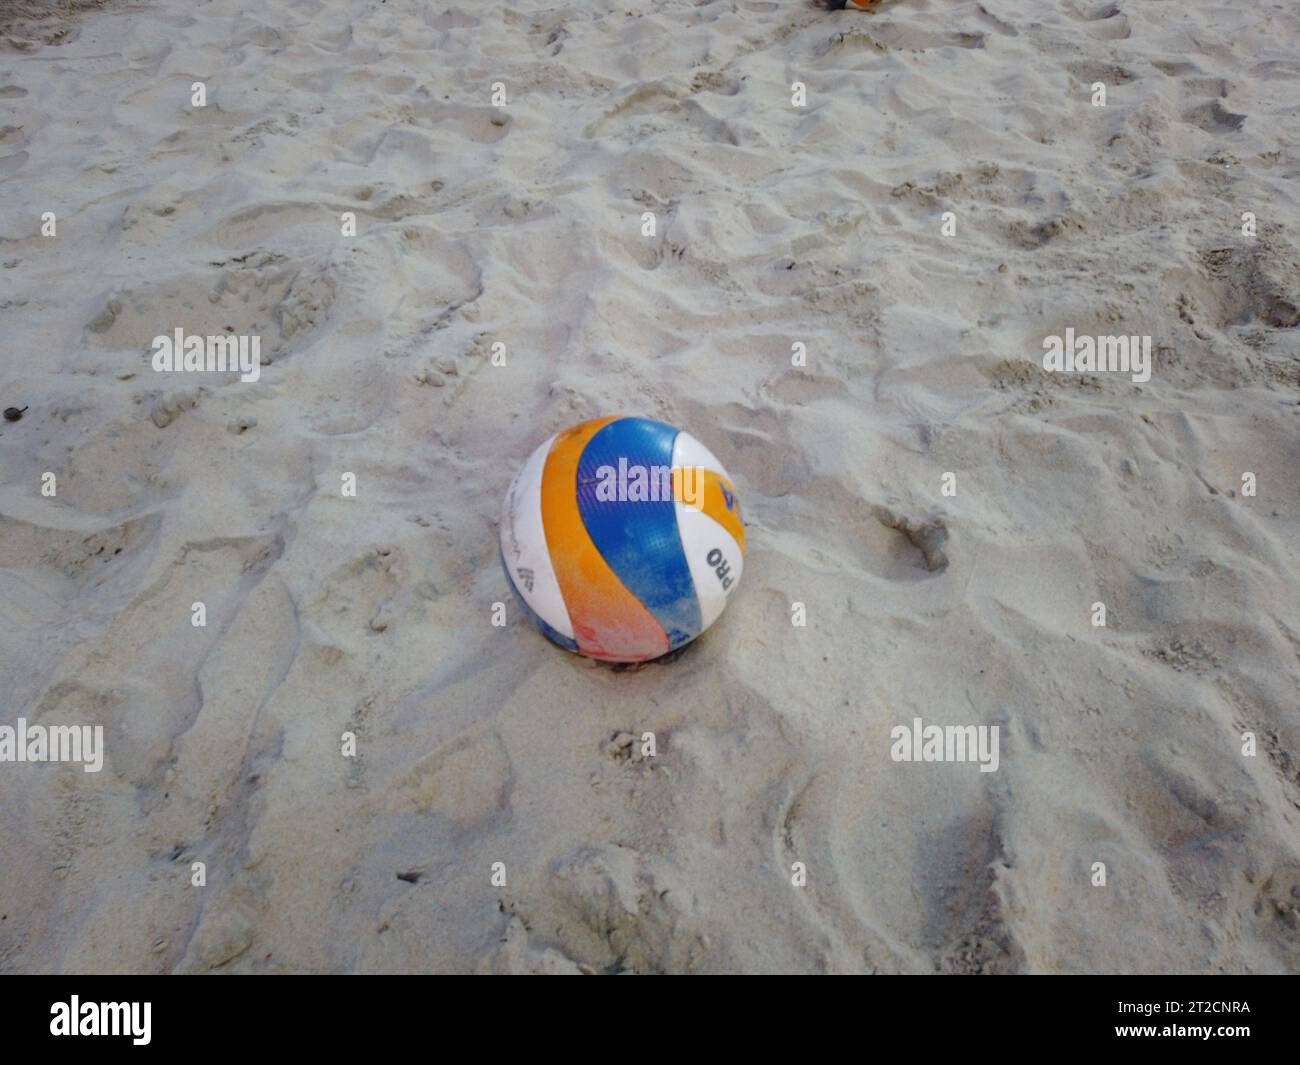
(622, 538)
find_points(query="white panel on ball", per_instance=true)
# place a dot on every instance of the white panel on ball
(523, 545)
(701, 535)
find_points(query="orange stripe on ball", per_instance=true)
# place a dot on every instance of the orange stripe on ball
(708, 491)
(604, 613)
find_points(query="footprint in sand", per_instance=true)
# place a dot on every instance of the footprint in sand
(1106, 21)
(637, 116)
(466, 780)
(1213, 118)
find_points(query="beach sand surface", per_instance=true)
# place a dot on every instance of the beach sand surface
(484, 752)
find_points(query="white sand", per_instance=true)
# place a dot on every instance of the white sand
(775, 225)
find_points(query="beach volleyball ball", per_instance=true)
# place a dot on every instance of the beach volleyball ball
(622, 538)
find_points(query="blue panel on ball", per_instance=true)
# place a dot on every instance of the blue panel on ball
(625, 499)
(552, 634)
